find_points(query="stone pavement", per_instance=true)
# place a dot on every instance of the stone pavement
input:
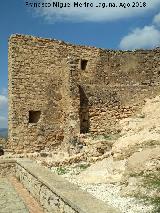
(10, 202)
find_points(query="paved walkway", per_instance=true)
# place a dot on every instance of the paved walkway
(10, 202)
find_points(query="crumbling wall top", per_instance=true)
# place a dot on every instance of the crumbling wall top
(52, 40)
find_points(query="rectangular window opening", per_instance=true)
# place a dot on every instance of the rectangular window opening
(84, 64)
(34, 116)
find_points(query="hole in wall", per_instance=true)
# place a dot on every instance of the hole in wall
(34, 116)
(84, 64)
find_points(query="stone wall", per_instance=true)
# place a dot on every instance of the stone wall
(73, 89)
(7, 168)
(2, 142)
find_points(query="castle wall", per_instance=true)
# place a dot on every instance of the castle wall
(46, 77)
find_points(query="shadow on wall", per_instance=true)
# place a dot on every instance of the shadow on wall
(83, 111)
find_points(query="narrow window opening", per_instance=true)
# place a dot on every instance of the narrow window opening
(34, 116)
(83, 64)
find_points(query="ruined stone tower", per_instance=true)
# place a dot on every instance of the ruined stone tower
(59, 90)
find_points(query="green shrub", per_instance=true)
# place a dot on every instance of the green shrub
(61, 170)
(84, 166)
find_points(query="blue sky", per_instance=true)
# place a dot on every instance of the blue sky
(113, 28)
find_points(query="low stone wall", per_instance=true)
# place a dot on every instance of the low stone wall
(54, 193)
(7, 168)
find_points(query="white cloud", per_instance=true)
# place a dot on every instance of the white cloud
(2, 118)
(3, 101)
(4, 91)
(3, 122)
(3, 111)
(147, 37)
(156, 19)
(93, 13)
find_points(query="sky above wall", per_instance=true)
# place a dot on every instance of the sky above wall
(127, 26)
